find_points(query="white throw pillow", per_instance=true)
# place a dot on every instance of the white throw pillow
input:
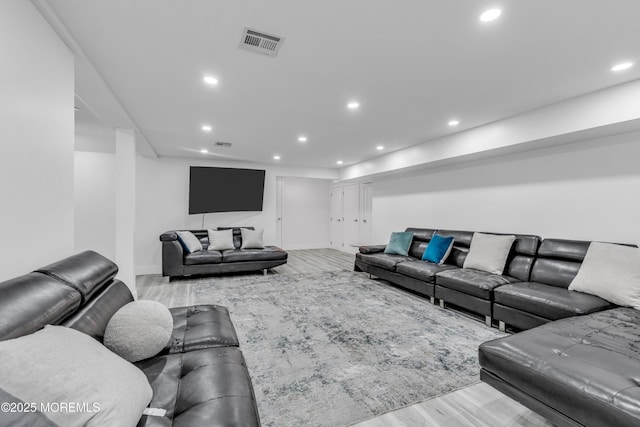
(489, 252)
(139, 330)
(220, 240)
(611, 272)
(189, 241)
(59, 365)
(251, 239)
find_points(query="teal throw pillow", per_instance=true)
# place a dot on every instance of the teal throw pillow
(399, 243)
(438, 249)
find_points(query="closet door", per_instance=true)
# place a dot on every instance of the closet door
(351, 217)
(335, 226)
(367, 202)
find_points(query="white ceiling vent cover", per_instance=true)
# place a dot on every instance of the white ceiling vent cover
(259, 42)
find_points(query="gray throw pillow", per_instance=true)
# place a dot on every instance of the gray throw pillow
(220, 240)
(61, 365)
(189, 241)
(139, 330)
(611, 272)
(251, 239)
(489, 252)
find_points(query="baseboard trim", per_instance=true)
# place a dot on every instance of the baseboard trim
(148, 269)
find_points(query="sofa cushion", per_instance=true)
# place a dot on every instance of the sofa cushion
(58, 365)
(550, 302)
(489, 252)
(269, 253)
(220, 240)
(203, 387)
(585, 367)
(399, 243)
(251, 239)
(203, 257)
(474, 282)
(189, 241)
(200, 326)
(386, 261)
(421, 270)
(438, 249)
(611, 272)
(139, 330)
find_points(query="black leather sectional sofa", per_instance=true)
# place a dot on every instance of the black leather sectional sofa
(177, 263)
(199, 378)
(577, 359)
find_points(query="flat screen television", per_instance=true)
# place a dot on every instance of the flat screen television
(225, 190)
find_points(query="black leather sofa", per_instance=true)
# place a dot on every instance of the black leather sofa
(177, 263)
(200, 378)
(449, 282)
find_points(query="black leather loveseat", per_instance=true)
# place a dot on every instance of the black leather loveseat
(177, 263)
(200, 378)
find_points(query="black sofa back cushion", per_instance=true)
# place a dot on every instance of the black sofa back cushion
(31, 301)
(93, 317)
(559, 261)
(461, 243)
(86, 272)
(421, 238)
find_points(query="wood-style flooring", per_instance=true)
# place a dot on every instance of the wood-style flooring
(478, 405)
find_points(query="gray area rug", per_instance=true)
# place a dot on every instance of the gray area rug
(335, 348)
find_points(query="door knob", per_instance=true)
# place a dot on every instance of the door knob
(355, 220)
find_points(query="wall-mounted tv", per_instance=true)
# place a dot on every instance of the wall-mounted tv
(225, 190)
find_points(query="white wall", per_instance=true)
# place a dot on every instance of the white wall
(587, 191)
(95, 198)
(162, 197)
(36, 153)
(305, 213)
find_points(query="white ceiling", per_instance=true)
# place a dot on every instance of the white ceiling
(412, 64)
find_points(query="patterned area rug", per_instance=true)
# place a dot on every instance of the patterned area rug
(335, 348)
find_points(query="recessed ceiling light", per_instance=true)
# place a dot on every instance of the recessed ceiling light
(302, 138)
(276, 157)
(380, 147)
(204, 151)
(206, 128)
(210, 80)
(622, 66)
(454, 122)
(490, 15)
(339, 162)
(353, 105)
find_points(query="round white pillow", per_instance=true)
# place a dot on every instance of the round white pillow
(139, 330)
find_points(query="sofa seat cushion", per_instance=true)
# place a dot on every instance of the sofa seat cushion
(585, 367)
(269, 253)
(200, 326)
(203, 387)
(382, 260)
(550, 302)
(422, 270)
(203, 257)
(473, 282)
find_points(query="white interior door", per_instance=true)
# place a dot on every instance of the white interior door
(335, 227)
(367, 202)
(351, 217)
(279, 188)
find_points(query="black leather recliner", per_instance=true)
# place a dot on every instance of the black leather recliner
(200, 378)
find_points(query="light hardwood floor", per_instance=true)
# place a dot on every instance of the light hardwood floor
(478, 405)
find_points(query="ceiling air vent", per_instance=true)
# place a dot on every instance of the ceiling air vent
(223, 144)
(259, 42)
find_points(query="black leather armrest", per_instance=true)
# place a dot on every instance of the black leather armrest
(168, 236)
(372, 249)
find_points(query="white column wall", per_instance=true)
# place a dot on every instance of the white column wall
(126, 206)
(36, 152)
(305, 213)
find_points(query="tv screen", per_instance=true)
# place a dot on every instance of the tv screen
(225, 190)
